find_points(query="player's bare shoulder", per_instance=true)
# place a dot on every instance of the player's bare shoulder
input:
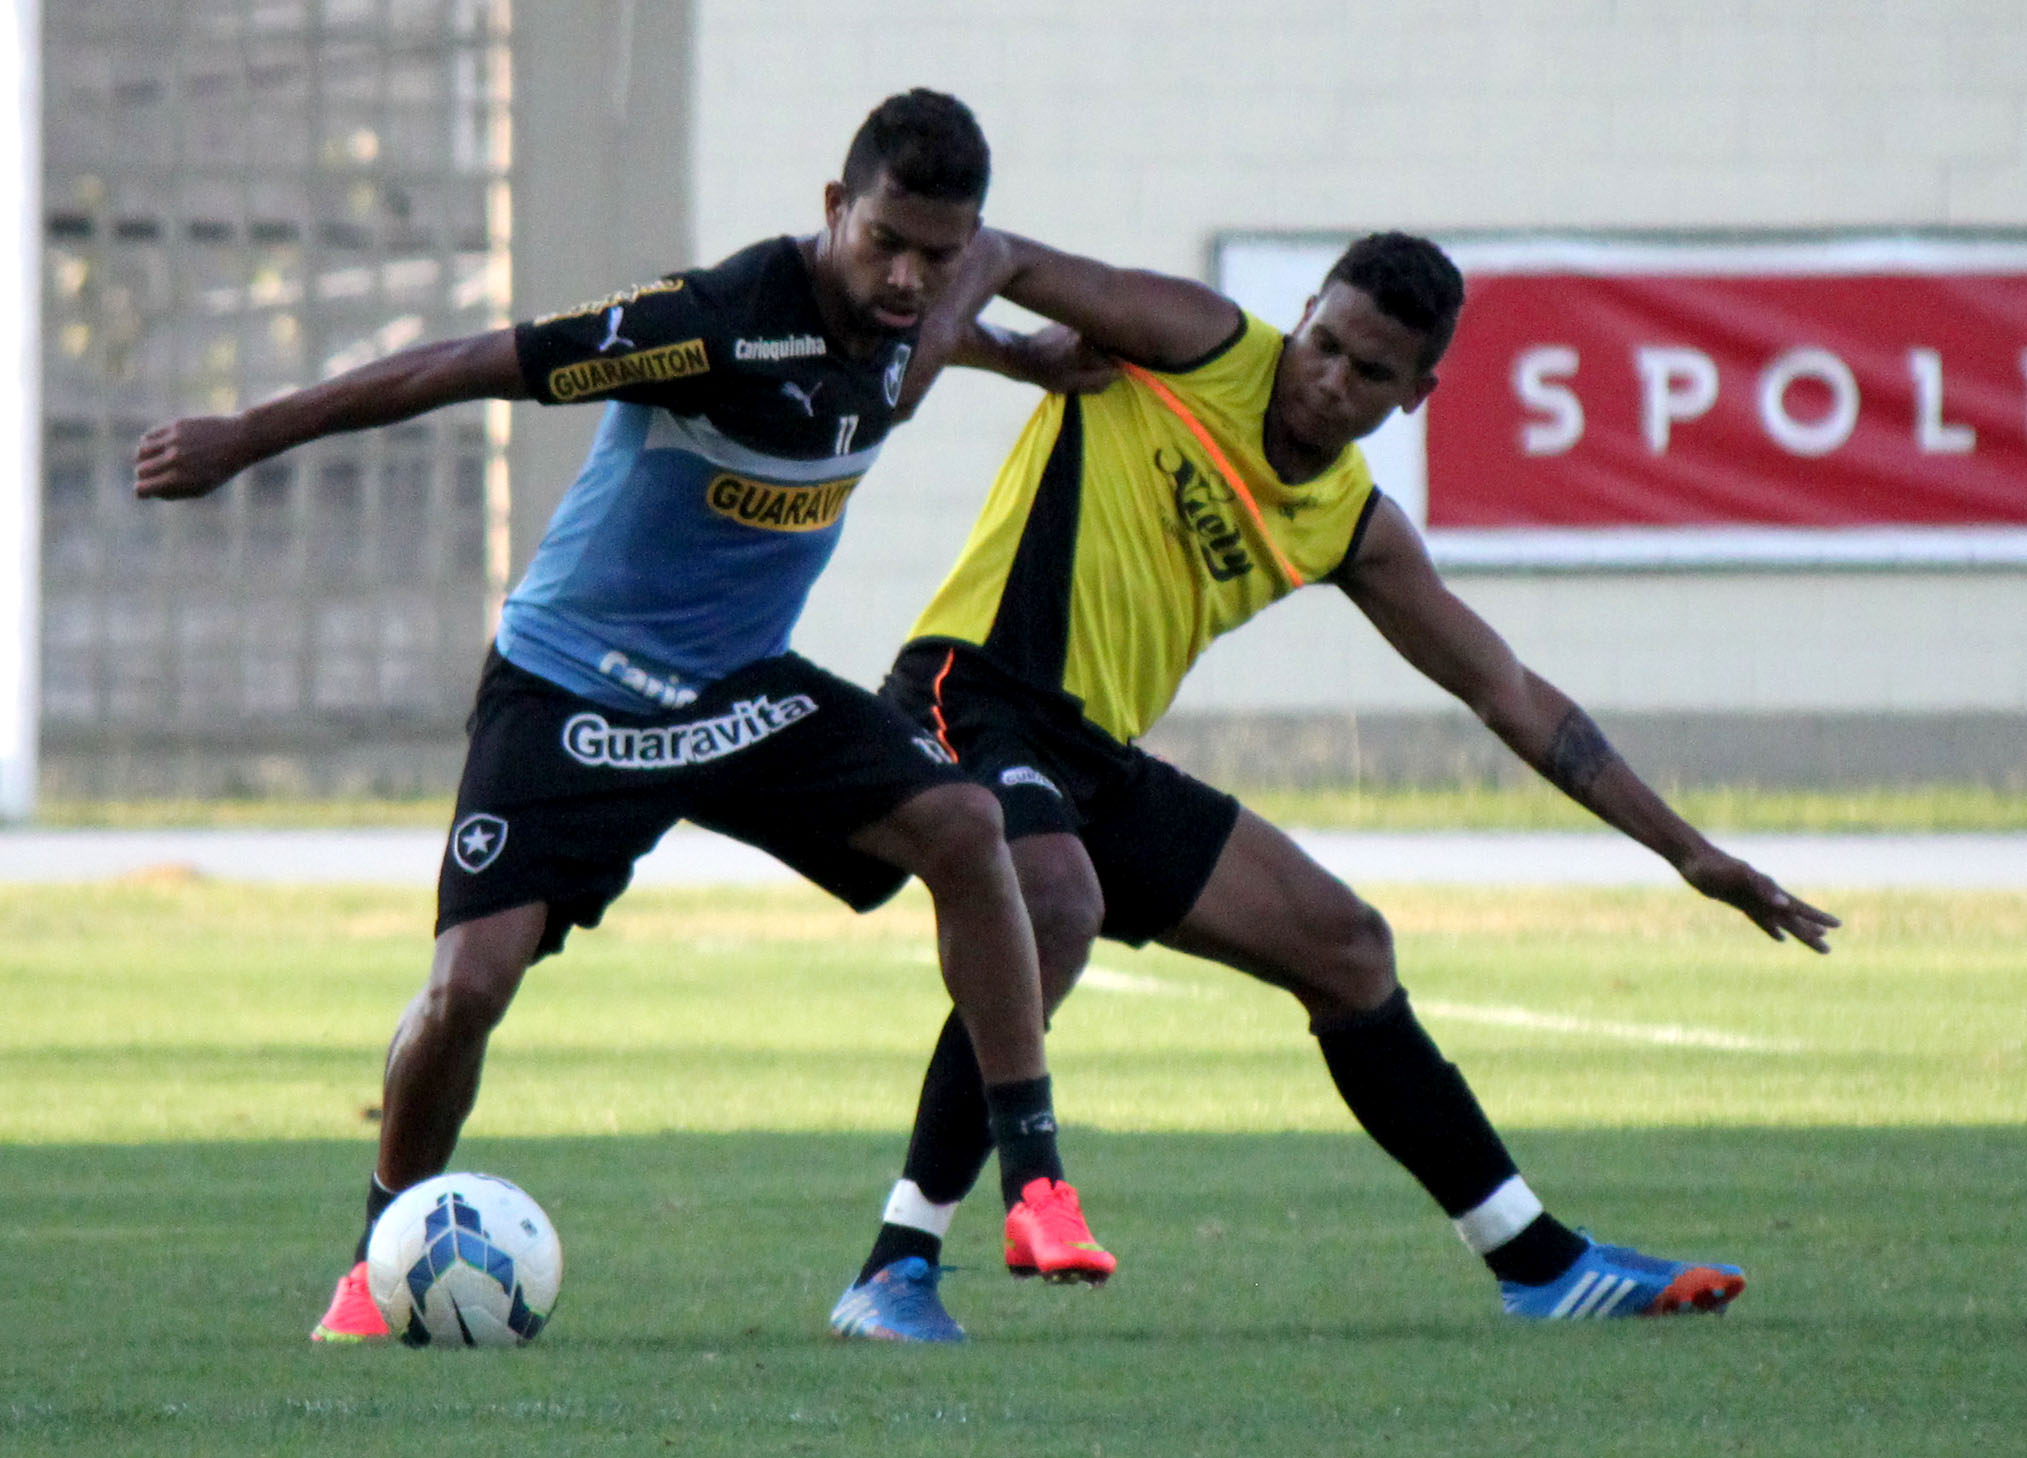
(1387, 540)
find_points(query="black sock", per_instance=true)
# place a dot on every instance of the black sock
(947, 1149)
(1418, 1108)
(1023, 1122)
(1536, 1256)
(1415, 1105)
(896, 1242)
(378, 1198)
(952, 1138)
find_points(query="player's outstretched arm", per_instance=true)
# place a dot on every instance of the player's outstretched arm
(1394, 584)
(196, 455)
(1152, 319)
(1056, 357)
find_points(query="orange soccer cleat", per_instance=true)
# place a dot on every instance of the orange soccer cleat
(352, 1316)
(1046, 1236)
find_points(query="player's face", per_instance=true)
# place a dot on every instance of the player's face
(892, 252)
(1345, 369)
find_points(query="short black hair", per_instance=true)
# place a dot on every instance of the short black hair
(929, 143)
(1412, 280)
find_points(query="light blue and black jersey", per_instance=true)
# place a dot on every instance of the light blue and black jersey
(734, 433)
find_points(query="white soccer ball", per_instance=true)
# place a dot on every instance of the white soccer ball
(464, 1260)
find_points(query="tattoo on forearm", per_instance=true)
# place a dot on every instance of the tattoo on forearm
(1577, 754)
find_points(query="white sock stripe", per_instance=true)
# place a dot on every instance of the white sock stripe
(910, 1207)
(1499, 1217)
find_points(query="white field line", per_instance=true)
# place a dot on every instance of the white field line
(1670, 1035)
(1666, 1035)
(1110, 979)
(1663, 1034)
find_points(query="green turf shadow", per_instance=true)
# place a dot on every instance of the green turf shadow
(1279, 1293)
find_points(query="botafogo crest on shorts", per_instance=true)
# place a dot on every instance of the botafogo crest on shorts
(476, 841)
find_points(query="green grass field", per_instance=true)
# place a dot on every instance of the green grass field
(1526, 804)
(709, 1095)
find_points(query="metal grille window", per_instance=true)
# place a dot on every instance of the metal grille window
(244, 196)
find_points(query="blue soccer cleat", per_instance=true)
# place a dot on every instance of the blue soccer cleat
(1616, 1280)
(897, 1304)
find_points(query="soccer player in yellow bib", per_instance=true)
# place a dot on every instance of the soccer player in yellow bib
(1217, 472)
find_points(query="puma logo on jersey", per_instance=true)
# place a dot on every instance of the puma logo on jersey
(612, 334)
(805, 398)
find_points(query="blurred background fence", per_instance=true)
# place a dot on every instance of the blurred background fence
(241, 196)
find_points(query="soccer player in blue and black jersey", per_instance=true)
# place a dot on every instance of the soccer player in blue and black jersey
(641, 674)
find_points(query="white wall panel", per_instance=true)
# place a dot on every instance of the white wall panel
(1137, 130)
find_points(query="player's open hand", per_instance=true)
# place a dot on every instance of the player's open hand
(191, 457)
(1728, 879)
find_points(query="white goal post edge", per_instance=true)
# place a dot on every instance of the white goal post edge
(21, 411)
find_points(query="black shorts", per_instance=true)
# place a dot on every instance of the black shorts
(1153, 833)
(561, 795)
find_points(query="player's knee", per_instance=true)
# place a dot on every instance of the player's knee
(1361, 955)
(1066, 915)
(469, 1007)
(1065, 905)
(471, 990)
(962, 835)
(1369, 942)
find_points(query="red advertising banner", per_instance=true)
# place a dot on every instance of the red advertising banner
(1639, 403)
(1733, 399)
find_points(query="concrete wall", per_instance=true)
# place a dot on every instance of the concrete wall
(602, 194)
(1136, 130)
